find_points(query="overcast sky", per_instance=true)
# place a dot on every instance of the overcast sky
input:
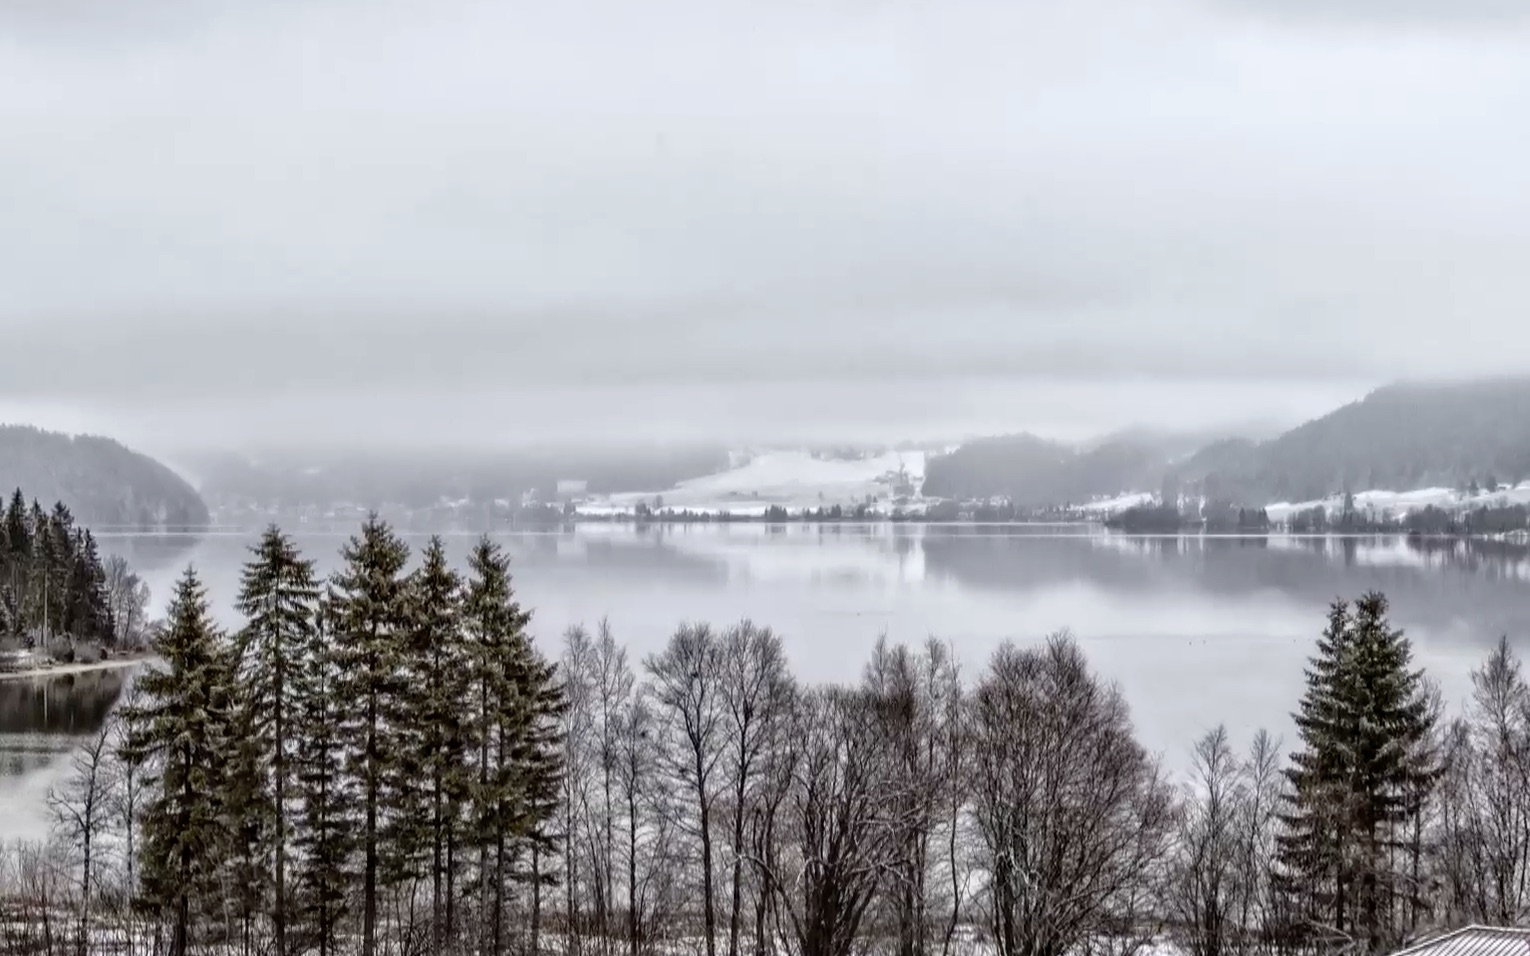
(338, 219)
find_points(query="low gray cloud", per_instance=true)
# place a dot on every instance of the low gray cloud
(1411, 13)
(284, 211)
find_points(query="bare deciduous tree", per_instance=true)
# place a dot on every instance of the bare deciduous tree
(1073, 816)
(839, 836)
(754, 690)
(917, 698)
(1259, 908)
(81, 808)
(1207, 882)
(686, 695)
(1484, 845)
(128, 597)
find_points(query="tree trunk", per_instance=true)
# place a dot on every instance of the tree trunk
(279, 915)
(709, 912)
(737, 902)
(483, 787)
(632, 908)
(536, 899)
(498, 947)
(451, 887)
(435, 863)
(369, 876)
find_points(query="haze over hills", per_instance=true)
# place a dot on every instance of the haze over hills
(422, 478)
(1036, 472)
(1404, 436)
(103, 483)
(1399, 437)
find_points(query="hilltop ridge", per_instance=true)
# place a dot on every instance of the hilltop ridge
(103, 483)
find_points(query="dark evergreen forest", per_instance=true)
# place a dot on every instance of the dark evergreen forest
(53, 581)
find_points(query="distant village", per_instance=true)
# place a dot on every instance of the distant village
(895, 496)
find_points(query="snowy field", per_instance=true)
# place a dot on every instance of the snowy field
(1110, 506)
(798, 481)
(1403, 502)
(794, 480)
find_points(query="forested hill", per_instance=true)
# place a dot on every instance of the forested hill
(1399, 437)
(102, 483)
(1034, 472)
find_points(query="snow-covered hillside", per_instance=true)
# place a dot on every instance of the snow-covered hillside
(791, 479)
(1403, 502)
(1110, 506)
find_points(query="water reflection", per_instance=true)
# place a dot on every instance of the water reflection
(69, 705)
(1198, 630)
(41, 721)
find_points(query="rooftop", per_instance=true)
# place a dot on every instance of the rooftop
(1474, 941)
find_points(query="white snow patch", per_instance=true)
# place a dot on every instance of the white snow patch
(794, 480)
(1403, 502)
(1107, 506)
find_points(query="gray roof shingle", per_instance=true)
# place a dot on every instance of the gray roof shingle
(1474, 941)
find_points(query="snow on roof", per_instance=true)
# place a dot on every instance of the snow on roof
(1474, 941)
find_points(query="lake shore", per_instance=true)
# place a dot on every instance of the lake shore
(60, 670)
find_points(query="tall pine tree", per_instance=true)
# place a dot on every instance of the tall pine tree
(438, 747)
(1311, 846)
(1360, 778)
(278, 597)
(178, 733)
(324, 836)
(516, 704)
(369, 613)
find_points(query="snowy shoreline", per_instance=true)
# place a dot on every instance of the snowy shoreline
(60, 670)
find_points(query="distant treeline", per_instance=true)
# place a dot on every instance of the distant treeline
(1216, 517)
(103, 483)
(52, 579)
(940, 512)
(1429, 521)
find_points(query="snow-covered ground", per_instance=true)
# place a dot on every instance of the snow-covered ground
(1376, 501)
(798, 480)
(794, 480)
(1109, 506)
(1402, 502)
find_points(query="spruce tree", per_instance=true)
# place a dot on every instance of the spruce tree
(1359, 778)
(18, 547)
(245, 879)
(438, 747)
(516, 704)
(1311, 847)
(178, 734)
(278, 597)
(539, 763)
(324, 836)
(370, 616)
(1390, 763)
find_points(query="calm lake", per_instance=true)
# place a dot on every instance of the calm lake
(1197, 631)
